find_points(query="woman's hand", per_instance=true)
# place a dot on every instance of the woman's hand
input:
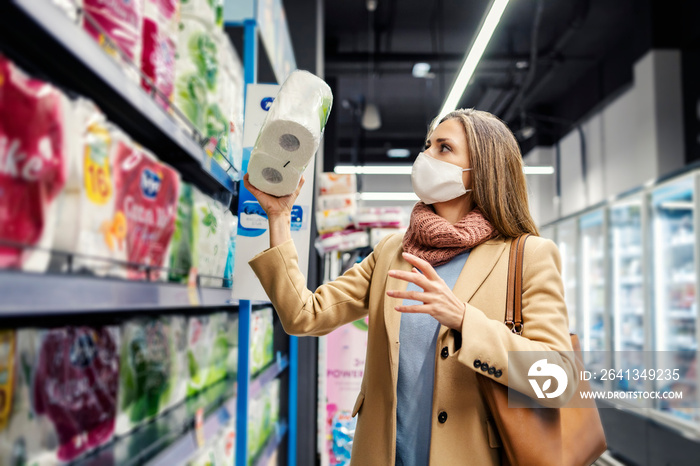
(438, 300)
(278, 210)
(273, 205)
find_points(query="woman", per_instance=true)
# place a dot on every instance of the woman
(436, 300)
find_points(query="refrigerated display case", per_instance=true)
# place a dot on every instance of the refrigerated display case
(593, 328)
(567, 240)
(673, 223)
(627, 287)
(549, 232)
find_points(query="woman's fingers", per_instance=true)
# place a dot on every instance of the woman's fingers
(422, 265)
(412, 295)
(414, 277)
(416, 309)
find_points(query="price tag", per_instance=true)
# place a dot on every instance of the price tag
(199, 427)
(97, 176)
(192, 289)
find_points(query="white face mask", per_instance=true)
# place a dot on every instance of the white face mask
(437, 181)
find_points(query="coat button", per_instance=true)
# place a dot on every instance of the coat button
(484, 366)
(492, 370)
(477, 363)
(442, 417)
(498, 373)
(445, 352)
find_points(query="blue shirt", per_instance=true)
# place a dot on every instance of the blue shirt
(414, 391)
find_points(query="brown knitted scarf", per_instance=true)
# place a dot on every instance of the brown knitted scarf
(434, 239)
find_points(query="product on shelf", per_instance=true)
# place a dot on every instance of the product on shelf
(196, 70)
(146, 198)
(342, 241)
(7, 374)
(211, 238)
(380, 217)
(290, 134)
(64, 396)
(160, 26)
(334, 219)
(181, 248)
(224, 113)
(151, 375)
(207, 350)
(337, 201)
(231, 223)
(261, 337)
(334, 183)
(203, 10)
(33, 166)
(232, 340)
(117, 27)
(88, 224)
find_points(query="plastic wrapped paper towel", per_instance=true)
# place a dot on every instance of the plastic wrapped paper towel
(291, 134)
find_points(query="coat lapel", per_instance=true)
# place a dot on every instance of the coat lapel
(479, 265)
(392, 317)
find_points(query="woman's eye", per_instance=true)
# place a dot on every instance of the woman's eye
(445, 147)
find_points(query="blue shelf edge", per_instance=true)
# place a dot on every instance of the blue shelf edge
(187, 446)
(272, 444)
(269, 374)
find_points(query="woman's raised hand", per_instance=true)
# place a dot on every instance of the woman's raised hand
(438, 299)
(272, 205)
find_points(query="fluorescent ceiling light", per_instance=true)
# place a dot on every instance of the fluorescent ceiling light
(388, 196)
(677, 205)
(538, 170)
(465, 73)
(421, 70)
(373, 170)
(397, 153)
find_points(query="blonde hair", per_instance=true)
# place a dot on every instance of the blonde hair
(498, 182)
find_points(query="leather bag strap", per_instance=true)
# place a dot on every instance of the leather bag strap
(514, 300)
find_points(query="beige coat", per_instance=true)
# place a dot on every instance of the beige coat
(465, 437)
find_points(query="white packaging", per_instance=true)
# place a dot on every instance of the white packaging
(291, 133)
(211, 238)
(196, 70)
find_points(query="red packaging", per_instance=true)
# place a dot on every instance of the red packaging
(160, 24)
(146, 199)
(75, 385)
(33, 164)
(120, 21)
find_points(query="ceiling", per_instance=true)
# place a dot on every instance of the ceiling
(548, 64)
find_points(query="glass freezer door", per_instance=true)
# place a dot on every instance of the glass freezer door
(627, 277)
(593, 294)
(567, 238)
(674, 288)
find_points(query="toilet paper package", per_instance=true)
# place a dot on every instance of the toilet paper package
(34, 128)
(64, 394)
(196, 70)
(182, 244)
(203, 10)
(290, 134)
(146, 196)
(150, 369)
(160, 28)
(211, 238)
(116, 26)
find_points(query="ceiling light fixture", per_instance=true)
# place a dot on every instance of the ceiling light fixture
(421, 70)
(543, 170)
(373, 169)
(388, 196)
(398, 153)
(472, 59)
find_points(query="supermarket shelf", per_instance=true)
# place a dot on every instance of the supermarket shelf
(76, 294)
(67, 54)
(171, 439)
(269, 374)
(272, 444)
